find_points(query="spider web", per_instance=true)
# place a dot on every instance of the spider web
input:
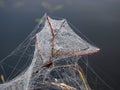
(55, 50)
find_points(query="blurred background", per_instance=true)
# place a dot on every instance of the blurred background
(99, 20)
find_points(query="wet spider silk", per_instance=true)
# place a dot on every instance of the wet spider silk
(55, 50)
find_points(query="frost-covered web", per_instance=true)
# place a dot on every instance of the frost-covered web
(48, 59)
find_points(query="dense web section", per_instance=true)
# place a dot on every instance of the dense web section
(52, 55)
